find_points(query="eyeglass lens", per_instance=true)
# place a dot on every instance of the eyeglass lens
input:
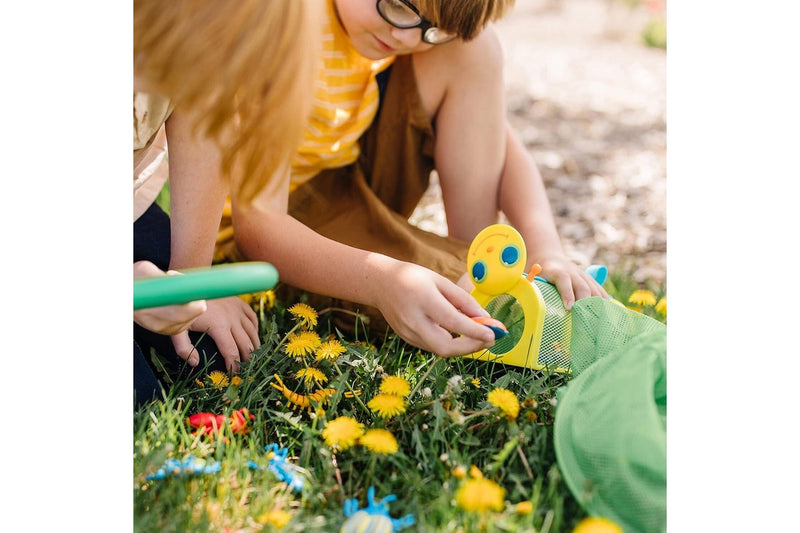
(399, 13)
(402, 15)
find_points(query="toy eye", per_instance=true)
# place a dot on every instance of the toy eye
(510, 255)
(479, 271)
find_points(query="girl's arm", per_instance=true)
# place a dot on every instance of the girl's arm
(420, 305)
(524, 201)
(197, 196)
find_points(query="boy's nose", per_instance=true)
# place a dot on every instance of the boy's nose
(410, 37)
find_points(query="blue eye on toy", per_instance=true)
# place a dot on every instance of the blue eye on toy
(510, 255)
(479, 271)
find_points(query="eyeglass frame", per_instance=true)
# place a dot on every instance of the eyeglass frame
(424, 24)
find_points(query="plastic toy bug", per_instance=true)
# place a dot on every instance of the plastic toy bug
(190, 465)
(303, 401)
(374, 518)
(238, 421)
(539, 327)
(281, 467)
(496, 262)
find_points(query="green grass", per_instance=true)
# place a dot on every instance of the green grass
(448, 424)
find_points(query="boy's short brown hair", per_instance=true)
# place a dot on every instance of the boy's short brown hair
(464, 17)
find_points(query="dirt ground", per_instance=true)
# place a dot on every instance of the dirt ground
(588, 99)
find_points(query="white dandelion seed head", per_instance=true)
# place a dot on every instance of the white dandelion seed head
(455, 381)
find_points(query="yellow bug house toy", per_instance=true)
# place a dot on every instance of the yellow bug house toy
(531, 309)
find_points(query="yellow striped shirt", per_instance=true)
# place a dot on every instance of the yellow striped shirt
(345, 102)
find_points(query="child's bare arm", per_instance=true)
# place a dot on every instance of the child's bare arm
(420, 305)
(197, 196)
(483, 167)
(461, 88)
(524, 201)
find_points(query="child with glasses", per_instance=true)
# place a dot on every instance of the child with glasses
(405, 87)
(223, 84)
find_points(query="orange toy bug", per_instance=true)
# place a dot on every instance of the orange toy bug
(304, 401)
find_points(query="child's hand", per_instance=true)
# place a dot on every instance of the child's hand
(572, 282)
(170, 319)
(234, 327)
(424, 308)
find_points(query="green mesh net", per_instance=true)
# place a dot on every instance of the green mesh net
(610, 423)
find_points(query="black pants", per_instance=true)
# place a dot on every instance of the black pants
(151, 242)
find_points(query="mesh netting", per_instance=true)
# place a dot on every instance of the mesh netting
(610, 424)
(601, 326)
(554, 351)
(554, 348)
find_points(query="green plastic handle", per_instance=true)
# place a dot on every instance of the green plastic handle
(203, 284)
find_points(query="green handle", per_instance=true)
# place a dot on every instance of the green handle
(203, 284)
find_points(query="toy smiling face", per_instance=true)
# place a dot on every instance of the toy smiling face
(496, 259)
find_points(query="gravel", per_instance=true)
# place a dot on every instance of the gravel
(588, 99)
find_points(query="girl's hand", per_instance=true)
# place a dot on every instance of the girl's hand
(170, 319)
(425, 309)
(572, 282)
(234, 327)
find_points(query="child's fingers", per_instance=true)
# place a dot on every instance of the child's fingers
(185, 349)
(563, 283)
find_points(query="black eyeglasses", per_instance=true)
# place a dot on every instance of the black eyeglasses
(403, 14)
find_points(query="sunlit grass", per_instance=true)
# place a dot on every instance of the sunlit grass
(447, 428)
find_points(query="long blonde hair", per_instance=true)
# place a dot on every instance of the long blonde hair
(243, 68)
(464, 17)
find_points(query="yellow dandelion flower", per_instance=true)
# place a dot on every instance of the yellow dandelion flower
(218, 379)
(200, 383)
(395, 385)
(304, 314)
(476, 383)
(475, 472)
(459, 472)
(596, 525)
(661, 306)
(302, 344)
(330, 350)
(387, 405)
(342, 432)
(278, 518)
(637, 309)
(480, 495)
(236, 381)
(525, 507)
(506, 401)
(311, 374)
(247, 298)
(267, 299)
(378, 441)
(641, 297)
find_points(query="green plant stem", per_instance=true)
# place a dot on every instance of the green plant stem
(350, 388)
(421, 380)
(277, 347)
